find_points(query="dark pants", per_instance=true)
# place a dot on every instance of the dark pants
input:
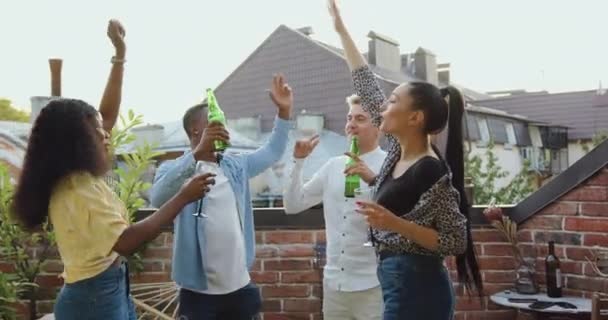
(242, 304)
(415, 287)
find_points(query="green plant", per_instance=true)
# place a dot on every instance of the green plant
(10, 288)
(485, 171)
(130, 185)
(596, 140)
(11, 113)
(26, 251)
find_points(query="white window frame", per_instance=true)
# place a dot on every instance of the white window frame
(511, 137)
(484, 131)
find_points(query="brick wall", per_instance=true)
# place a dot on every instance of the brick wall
(577, 222)
(285, 271)
(291, 286)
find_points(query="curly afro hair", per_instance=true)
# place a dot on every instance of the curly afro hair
(64, 140)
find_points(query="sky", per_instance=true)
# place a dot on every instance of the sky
(176, 49)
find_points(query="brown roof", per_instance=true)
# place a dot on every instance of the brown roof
(320, 80)
(316, 71)
(584, 113)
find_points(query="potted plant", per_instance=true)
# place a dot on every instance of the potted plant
(526, 282)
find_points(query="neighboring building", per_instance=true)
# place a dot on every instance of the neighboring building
(320, 77)
(171, 139)
(583, 113)
(13, 144)
(517, 138)
(321, 81)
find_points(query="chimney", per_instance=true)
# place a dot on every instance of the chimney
(307, 31)
(443, 73)
(309, 124)
(384, 52)
(39, 102)
(407, 63)
(425, 66)
(55, 65)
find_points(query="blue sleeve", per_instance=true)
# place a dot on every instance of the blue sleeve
(170, 177)
(272, 151)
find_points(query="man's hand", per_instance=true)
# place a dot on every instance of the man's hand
(281, 95)
(116, 33)
(205, 148)
(359, 168)
(334, 12)
(304, 148)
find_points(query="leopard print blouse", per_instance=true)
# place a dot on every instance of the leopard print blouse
(437, 208)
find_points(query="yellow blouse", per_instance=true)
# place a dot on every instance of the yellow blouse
(87, 217)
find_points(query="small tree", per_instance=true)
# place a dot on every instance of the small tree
(130, 185)
(485, 173)
(596, 140)
(25, 250)
(12, 113)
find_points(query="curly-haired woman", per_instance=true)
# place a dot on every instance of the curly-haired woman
(62, 181)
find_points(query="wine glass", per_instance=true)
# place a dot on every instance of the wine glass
(365, 194)
(201, 168)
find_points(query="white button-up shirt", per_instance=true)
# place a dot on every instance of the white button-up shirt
(350, 266)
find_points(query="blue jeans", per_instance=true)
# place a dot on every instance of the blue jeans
(242, 304)
(103, 297)
(415, 287)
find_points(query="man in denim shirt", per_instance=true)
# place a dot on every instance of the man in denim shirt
(213, 254)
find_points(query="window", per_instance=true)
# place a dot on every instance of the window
(498, 132)
(470, 123)
(511, 139)
(484, 131)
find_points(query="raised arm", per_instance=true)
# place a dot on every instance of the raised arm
(110, 102)
(364, 80)
(273, 149)
(299, 196)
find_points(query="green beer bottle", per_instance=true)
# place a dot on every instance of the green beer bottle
(215, 114)
(353, 181)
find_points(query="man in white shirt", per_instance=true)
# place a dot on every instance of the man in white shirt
(350, 284)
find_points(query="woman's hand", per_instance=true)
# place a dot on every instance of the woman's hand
(379, 217)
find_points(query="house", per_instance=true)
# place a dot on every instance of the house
(13, 144)
(583, 113)
(321, 80)
(171, 139)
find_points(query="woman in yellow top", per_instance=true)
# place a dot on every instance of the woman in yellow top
(62, 179)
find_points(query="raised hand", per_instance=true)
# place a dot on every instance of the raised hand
(205, 148)
(116, 33)
(282, 96)
(334, 12)
(360, 168)
(304, 147)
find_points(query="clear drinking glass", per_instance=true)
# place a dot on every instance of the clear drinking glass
(365, 194)
(201, 168)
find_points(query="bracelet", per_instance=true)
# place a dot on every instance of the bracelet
(116, 60)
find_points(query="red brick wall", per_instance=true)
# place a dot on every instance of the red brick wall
(285, 271)
(291, 286)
